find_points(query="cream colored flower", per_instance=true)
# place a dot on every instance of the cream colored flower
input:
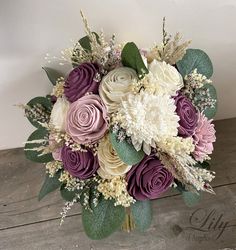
(59, 112)
(148, 118)
(115, 85)
(163, 78)
(110, 163)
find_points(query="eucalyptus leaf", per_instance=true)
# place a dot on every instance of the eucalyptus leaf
(190, 198)
(180, 187)
(86, 43)
(132, 58)
(39, 100)
(103, 220)
(33, 155)
(125, 150)
(209, 112)
(50, 184)
(66, 194)
(204, 165)
(141, 212)
(52, 74)
(195, 59)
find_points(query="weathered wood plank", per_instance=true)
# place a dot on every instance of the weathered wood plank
(21, 180)
(175, 226)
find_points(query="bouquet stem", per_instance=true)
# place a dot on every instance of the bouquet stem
(128, 224)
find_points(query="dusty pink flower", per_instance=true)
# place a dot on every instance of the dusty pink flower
(204, 136)
(87, 120)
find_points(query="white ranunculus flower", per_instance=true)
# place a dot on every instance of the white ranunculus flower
(110, 163)
(59, 112)
(115, 86)
(165, 79)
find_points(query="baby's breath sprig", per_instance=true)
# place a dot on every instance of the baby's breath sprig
(37, 112)
(194, 89)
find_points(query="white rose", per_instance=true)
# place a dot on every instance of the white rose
(116, 85)
(110, 163)
(59, 112)
(164, 78)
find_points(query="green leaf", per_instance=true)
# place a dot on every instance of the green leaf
(40, 100)
(50, 184)
(211, 111)
(104, 220)
(85, 42)
(35, 155)
(205, 165)
(195, 59)
(190, 198)
(125, 150)
(131, 57)
(180, 187)
(52, 74)
(141, 212)
(66, 194)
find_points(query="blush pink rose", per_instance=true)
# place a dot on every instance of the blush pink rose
(87, 120)
(204, 136)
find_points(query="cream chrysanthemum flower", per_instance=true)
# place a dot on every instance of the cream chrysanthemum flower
(110, 163)
(148, 118)
(115, 85)
(163, 79)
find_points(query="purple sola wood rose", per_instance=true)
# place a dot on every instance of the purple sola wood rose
(82, 165)
(187, 114)
(148, 179)
(80, 81)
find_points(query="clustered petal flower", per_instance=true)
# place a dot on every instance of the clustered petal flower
(87, 119)
(148, 118)
(81, 80)
(148, 179)
(148, 104)
(110, 164)
(187, 114)
(115, 86)
(204, 136)
(79, 164)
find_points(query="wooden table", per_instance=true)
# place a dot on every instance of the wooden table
(26, 224)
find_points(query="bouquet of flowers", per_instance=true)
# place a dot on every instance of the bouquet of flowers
(124, 126)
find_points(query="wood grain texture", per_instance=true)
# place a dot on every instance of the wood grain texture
(26, 223)
(172, 228)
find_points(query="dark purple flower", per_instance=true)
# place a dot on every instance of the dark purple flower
(187, 114)
(80, 81)
(79, 164)
(148, 179)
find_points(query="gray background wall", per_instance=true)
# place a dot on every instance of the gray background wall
(29, 29)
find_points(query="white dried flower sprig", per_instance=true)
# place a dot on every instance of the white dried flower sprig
(67, 208)
(36, 113)
(106, 54)
(170, 51)
(194, 88)
(188, 174)
(58, 88)
(52, 167)
(116, 188)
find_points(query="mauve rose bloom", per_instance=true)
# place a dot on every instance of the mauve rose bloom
(87, 120)
(80, 81)
(148, 179)
(203, 138)
(187, 114)
(82, 165)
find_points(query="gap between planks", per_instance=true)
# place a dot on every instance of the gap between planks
(78, 214)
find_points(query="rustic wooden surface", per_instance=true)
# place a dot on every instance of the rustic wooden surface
(26, 224)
